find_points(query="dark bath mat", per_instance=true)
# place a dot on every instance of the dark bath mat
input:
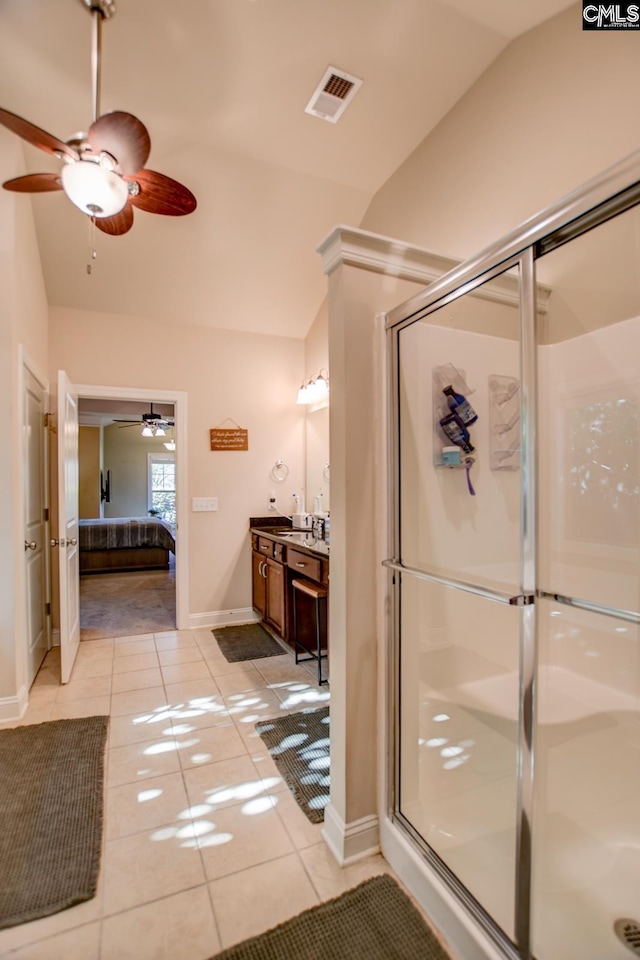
(247, 642)
(375, 920)
(51, 798)
(299, 745)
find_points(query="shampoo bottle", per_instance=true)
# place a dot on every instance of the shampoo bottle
(460, 406)
(457, 432)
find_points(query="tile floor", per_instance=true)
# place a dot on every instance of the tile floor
(204, 844)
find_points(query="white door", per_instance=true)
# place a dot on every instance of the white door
(35, 523)
(68, 524)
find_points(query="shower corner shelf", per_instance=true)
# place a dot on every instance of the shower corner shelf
(468, 461)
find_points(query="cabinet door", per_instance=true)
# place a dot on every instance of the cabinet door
(258, 584)
(275, 595)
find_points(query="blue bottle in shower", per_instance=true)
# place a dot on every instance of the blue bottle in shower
(457, 432)
(460, 406)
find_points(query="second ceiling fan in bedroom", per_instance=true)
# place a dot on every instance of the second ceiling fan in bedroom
(153, 423)
(103, 171)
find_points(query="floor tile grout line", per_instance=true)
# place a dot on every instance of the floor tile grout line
(199, 848)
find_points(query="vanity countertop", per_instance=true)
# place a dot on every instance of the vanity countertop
(300, 539)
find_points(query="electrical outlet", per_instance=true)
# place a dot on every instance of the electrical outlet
(272, 501)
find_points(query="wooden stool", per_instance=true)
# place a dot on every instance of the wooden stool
(318, 594)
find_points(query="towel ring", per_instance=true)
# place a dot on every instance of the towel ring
(279, 471)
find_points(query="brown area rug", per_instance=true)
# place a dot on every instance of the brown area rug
(249, 641)
(374, 921)
(299, 745)
(51, 805)
(126, 604)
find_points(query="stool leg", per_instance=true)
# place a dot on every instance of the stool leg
(295, 624)
(318, 641)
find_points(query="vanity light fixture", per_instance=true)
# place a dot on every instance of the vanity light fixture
(314, 390)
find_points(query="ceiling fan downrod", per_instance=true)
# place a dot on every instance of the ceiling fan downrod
(100, 10)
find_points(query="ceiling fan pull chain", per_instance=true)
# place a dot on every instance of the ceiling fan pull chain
(93, 254)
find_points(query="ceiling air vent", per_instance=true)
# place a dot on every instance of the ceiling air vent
(333, 94)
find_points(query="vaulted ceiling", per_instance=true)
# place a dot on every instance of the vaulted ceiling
(222, 86)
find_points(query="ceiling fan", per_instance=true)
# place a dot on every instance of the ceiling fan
(152, 421)
(103, 171)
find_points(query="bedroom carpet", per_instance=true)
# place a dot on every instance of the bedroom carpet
(127, 604)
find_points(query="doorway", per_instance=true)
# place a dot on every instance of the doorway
(127, 589)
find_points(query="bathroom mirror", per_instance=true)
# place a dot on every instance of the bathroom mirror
(317, 465)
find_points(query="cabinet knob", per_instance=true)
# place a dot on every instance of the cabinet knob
(30, 545)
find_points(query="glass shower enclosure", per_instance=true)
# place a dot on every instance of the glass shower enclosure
(515, 578)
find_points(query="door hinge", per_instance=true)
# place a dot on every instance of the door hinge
(45, 514)
(47, 609)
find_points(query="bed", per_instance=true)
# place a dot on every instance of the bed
(125, 543)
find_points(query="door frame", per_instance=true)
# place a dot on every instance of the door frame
(179, 398)
(26, 363)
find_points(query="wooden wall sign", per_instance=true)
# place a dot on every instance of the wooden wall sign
(229, 439)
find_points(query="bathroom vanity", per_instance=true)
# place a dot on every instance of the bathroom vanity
(279, 556)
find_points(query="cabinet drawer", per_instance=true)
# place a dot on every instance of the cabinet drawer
(280, 552)
(265, 547)
(304, 564)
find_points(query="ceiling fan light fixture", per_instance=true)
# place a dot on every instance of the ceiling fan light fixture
(97, 191)
(147, 431)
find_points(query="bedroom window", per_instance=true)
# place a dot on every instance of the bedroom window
(162, 486)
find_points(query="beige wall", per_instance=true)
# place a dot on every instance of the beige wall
(89, 457)
(316, 352)
(552, 111)
(125, 454)
(23, 320)
(251, 378)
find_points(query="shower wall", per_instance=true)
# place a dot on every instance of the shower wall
(447, 529)
(460, 660)
(586, 854)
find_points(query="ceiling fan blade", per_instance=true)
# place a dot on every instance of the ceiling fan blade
(35, 136)
(124, 137)
(118, 224)
(160, 194)
(34, 183)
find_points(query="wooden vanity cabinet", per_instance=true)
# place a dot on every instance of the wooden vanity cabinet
(269, 582)
(275, 565)
(276, 595)
(258, 584)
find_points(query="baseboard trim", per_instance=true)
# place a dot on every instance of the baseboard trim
(14, 708)
(55, 637)
(353, 841)
(223, 618)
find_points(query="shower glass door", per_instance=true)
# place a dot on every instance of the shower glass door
(461, 563)
(587, 792)
(516, 579)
